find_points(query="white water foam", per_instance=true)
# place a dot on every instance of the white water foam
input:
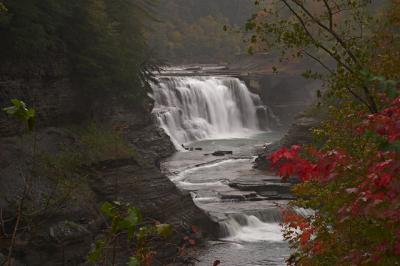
(183, 175)
(254, 230)
(196, 108)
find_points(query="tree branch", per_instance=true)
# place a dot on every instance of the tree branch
(330, 16)
(372, 105)
(319, 61)
(316, 43)
(355, 95)
(331, 31)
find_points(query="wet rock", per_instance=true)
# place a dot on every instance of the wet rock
(283, 188)
(67, 231)
(222, 153)
(193, 68)
(14, 262)
(149, 190)
(273, 195)
(2, 259)
(238, 195)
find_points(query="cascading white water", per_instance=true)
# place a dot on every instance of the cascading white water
(250, 228)
(195, 108)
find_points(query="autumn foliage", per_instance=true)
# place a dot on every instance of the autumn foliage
(355, 197)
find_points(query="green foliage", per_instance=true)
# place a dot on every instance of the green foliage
(65, 167)
(19, 111)
(93, 144)
(127, 220)
(102, 40)
(3, 11)
(133, 262)
(388, 86)
(164, 230)
(99, 143)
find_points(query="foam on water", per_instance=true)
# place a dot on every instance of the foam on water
(196, 108)
(184, 174)
(251, 229)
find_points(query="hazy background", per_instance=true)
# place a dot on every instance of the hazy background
(192, 30)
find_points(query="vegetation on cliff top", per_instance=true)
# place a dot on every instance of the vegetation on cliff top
(102, 40)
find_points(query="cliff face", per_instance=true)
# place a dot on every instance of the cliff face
(60, 231)
(286, 92)
(46, 87)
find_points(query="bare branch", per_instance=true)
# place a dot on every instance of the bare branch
(318, 61)
(331, 31)
(316, 43)
(330, 16)
(372, 105)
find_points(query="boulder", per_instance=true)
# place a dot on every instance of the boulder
(238, 195)
(283, 188)
(68, 232)
(222, 153)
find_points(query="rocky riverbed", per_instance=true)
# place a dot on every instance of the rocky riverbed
(242, 200)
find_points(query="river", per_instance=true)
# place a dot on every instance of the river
(205, 114)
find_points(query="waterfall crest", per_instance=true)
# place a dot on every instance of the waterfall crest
(195, 108)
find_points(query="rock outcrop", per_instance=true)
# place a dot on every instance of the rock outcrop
(62, 217)
(298, 133)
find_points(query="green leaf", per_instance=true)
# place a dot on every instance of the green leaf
(133, 261)
(30, 113)
(134, 216)
(129, 223)
(394, 146)
(108, 209)
(10, 110)
(20, 112)
(18, 103)
(145, 231)
(97, 253)
(164, 230)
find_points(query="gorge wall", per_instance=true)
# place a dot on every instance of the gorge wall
(287, 95)
(63, 235)
(285, 90)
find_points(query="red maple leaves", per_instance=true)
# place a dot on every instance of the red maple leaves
(367, 188)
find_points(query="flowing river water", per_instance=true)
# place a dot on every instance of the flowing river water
(207, 114)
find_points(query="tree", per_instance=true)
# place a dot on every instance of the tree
(354, 191)
(103, 42)
(337, 35)
(349, 177)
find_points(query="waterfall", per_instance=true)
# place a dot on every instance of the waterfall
(195, 108)
(251, 228)
(256, 226)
